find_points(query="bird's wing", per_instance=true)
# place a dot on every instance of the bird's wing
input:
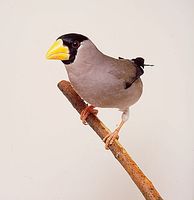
(126, 70)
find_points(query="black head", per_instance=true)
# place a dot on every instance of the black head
(65, 47)
(73, 42)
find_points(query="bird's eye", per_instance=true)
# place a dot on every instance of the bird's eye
(76, 44)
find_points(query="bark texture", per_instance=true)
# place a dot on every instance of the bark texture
(143, 183)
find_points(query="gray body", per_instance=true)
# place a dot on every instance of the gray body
(103, 84)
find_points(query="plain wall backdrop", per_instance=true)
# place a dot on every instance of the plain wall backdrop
(45, 151)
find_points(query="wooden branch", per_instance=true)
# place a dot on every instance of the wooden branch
(143, 183)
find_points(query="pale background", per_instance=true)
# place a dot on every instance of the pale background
(45, 151)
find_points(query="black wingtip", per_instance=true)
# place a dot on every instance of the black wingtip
(139, 61)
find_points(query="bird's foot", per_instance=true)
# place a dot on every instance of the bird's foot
(110, 138)
(86, 112)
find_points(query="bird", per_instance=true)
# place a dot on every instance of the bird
(102, 81)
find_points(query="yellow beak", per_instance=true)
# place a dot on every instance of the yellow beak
(58, 51)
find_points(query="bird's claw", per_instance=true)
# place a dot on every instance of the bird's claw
(110, 138)
(86, 112)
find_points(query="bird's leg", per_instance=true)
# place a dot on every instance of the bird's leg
(86, 112)
(110, 138)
